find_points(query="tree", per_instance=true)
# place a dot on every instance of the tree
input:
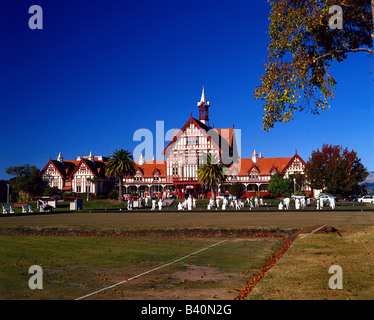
(236, 189)
(335, 170)
(27, 182)
(298, 179)
(119, 165)
(51, 191)
(3, 191)
(280, 186)
(211, 174)
(91, 181)
(303, 44)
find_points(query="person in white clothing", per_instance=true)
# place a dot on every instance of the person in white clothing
(332, 203)
(302, 202)
(237, 205)
(189, 203)
(153, 204)
(286, 203)
(224, 204)
(250, 203)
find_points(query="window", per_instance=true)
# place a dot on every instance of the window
(155, 177)
(51, 169)
(55, 182)
(192, 141)
(175, 171)
(296, 165)
(253, 175)
(79, 189)
(138, 177)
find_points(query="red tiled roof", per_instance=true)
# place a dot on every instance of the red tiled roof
(69, 167)
(150, 167)
(263, 165)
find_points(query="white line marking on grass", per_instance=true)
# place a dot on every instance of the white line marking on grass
(315, 230)
(144, 273)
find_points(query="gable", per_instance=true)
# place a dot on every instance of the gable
(295, 164)
(53, 168)
(85, 167)
(192, 134)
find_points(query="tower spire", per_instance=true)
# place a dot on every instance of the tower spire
(203, 97)
(60, 158)
(204, 108)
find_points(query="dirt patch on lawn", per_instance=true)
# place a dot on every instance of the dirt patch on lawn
(318, 229)
(199, 273)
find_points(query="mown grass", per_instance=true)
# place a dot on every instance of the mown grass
(84, 264)
(76, 266)
(137, 220)
(302, 273)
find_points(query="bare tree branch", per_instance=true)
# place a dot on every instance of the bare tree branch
(346, 51)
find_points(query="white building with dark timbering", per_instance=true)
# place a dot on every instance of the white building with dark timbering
(177, 173)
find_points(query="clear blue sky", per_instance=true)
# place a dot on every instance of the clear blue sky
(100, 70)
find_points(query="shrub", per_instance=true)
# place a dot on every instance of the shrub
(51, 191)
(113, 194)
(237, 189)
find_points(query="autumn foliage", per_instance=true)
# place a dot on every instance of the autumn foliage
(301, 49)
(335, 170)
(271, 262)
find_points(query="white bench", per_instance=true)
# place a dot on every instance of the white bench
(25, 208)
(8, 208)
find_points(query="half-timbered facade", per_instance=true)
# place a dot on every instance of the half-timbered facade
(177, 173)
(83, 175)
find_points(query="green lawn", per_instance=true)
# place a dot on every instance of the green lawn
(76, 266)
(302, 273)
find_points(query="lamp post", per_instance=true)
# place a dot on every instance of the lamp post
(7, 194)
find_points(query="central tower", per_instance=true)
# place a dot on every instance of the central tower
(204, 109)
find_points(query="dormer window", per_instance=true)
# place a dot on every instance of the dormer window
(253, 175)
(138, 176)
(155, 177)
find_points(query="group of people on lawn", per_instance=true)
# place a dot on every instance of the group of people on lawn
(234, 203)
(190, 202)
